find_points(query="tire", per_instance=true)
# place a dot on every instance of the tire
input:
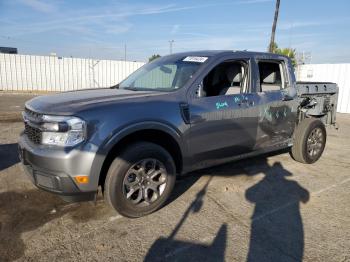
(309, 141)
(134, 169)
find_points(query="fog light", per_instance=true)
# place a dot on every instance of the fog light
(82, 179)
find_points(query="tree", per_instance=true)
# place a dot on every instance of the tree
(155, 56)
(290, 52)
(273, 48)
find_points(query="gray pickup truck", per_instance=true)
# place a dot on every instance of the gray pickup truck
(179, 113)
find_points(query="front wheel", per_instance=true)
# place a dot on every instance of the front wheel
(140, 179)
(309, 141)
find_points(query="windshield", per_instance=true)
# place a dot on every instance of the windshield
(161, 75)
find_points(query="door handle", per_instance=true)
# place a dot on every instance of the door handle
(246, 102)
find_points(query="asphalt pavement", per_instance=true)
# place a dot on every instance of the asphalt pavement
(268, 208)
(12, 104)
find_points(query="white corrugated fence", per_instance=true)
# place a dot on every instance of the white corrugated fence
(52, 73)
(337, 73)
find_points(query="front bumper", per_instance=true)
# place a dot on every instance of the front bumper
(53, 170)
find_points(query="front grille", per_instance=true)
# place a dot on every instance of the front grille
(33, 133)
(31, 119)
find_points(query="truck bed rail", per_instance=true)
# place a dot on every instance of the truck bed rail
(314, 88)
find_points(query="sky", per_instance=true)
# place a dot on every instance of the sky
(101, 29)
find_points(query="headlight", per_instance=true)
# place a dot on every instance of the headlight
(62, 131)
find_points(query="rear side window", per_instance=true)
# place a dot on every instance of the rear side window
(271, 76)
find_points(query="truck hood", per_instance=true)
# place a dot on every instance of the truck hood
(70, 102)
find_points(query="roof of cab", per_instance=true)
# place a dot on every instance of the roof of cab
(210, 53)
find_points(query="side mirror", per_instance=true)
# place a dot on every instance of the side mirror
(199, 91)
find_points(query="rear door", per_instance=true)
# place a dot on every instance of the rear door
(276, 104)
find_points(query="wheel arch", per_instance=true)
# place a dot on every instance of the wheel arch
(157, 133)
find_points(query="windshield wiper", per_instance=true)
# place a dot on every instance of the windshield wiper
(131, 88)
(115, 86)
(139, 89)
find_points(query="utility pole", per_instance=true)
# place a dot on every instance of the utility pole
(272, 41)
(171, 46)
(125, 52)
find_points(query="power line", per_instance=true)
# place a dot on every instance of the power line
(125, 52)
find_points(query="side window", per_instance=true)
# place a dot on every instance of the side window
(271, 76)
(227, 78)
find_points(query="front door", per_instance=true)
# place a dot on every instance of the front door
(221, 114)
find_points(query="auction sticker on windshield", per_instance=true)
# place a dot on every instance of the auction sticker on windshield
(196, 59)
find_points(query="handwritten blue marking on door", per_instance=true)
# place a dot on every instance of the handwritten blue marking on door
(221, 105)
(237, 99)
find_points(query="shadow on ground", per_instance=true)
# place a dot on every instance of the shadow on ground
(276, 226)
(171, 249)
(30, 210)
(8, 155)
(27, 211)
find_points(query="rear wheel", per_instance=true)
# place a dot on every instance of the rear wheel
(309, 141)
(140, 179)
